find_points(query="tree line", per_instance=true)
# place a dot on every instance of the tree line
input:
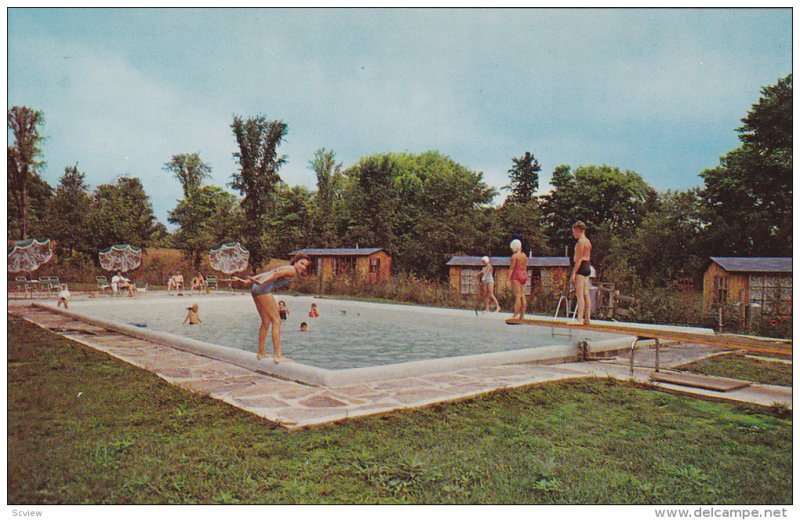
(424, 208)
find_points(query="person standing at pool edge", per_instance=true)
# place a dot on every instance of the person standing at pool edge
(519, 277)
(581, 272)
(264, 284)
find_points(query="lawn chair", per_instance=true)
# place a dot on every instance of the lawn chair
(55, 284)
(24, 286)
(211, 283)
(102, 284)
(44, 284)
(141, 286)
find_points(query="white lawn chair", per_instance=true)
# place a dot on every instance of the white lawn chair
(23, 286)
(141, 287)
(102, 284)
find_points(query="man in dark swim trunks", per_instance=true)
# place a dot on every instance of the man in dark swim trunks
(581, 272)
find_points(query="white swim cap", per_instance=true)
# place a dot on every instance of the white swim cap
(516, 245)
(485, 259)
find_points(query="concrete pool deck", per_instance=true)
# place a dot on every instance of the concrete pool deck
(297, 405)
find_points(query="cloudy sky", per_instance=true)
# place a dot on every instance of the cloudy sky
(659, 92)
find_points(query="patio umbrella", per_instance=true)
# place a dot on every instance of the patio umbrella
(121, 257)
(29, 255)
(229, 258)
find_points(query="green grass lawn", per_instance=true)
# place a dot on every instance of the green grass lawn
(738, 366)
(86, 428)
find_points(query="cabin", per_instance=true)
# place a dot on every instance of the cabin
(766, 281)
(369, 264)
(545, 273)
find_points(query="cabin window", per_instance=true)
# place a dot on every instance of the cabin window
(773, 293)
(546, 278)
(720, 289)
(344, 265)
(534, 279)
(374, 265)
(469, 281)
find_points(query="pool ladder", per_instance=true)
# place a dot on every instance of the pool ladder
(565, 299)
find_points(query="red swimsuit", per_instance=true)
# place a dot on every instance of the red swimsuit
(520, 274)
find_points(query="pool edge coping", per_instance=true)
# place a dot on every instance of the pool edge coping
(309, 374)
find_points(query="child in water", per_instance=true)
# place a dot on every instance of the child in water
(282, 310)
(304, 327)
(193, 316)
(63, 296)
(313, 312)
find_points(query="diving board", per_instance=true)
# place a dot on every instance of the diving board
(643, 331)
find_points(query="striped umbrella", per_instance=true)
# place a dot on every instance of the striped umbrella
(229, 258)
(29, 255)
(121, 257)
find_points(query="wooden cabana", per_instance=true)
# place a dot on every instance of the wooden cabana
(546, 273)
(369, 264)
(766, 281)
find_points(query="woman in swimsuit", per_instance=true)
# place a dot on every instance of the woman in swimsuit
(487, 279)
(264, 284)
(519, 277)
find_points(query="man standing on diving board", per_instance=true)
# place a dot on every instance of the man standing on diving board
(581, 272)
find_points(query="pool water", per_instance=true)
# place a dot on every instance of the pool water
(346, 334)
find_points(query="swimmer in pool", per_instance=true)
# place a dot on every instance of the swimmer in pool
(304, 327)
(63, 296)
(193, 316)
(264, 284)
(313, 312)
(282, 310)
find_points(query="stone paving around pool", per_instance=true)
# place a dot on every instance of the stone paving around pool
(297, 405)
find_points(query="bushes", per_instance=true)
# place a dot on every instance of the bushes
(401, 287)
(670, 306)
(409, 288)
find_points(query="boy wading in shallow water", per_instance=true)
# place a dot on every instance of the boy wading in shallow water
(193, 316)
(581, 272)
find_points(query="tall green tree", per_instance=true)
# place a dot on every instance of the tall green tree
(329, 179)
(190, 171)
(524, 177)
(667, 242)
(121, 214)
(257, 179)
(523, 219)
(372, 204)
(610, 201)
(23, 160)
(423, 208)
(208, 216)
(38, 198)
(69, 211)
(747, 199)
(521, 213)
(292, 226)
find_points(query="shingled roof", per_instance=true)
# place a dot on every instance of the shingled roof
(505, 261)
(357, 251)
(762, 264)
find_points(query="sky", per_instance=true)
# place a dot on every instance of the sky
(656, 91)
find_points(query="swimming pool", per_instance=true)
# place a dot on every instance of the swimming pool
(347, 334)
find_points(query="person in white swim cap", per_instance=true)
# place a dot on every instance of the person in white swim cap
(519, 277)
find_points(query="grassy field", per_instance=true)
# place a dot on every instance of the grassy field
(86, 428)
(738, 366)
